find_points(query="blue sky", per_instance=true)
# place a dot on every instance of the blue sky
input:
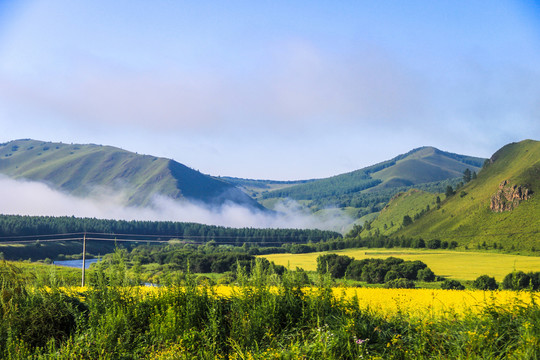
(272, 89)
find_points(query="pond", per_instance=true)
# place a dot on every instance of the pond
(75, 263)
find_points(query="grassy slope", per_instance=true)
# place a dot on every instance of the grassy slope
(78, 169)
(410, 203)
(449, 263)
(470, 221)
(419, 166)
(424, 165)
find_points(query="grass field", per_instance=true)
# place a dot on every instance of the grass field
(257, 319)
(449, 263)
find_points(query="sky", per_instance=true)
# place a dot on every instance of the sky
(278, 90)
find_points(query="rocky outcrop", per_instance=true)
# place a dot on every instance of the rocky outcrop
(509, 196)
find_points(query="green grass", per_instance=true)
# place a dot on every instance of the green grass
(449, 263)
(390, 219)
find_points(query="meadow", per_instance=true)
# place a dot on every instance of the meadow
(262, 316)
(459, 265)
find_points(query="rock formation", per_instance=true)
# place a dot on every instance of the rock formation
(509, 196)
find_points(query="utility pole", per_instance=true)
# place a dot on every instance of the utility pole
(83, 258)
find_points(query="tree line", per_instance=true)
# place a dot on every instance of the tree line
(392, 271)
(12, 226)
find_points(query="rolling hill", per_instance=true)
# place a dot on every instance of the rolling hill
(80, 169)
(369, 189)
(500, 208)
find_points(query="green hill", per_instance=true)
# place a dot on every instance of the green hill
(369, 189)
(412, 203)
(499, 208)
(79, 169)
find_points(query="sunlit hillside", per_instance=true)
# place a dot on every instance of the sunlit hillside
(471, 216)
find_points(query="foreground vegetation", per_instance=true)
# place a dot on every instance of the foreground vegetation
(264, 316)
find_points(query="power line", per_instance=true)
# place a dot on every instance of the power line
(43, 235)
(150, 236)
(142, 238)
(38, 240)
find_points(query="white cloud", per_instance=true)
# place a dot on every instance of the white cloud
(37, 199)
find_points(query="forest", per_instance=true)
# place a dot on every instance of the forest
(13, 226)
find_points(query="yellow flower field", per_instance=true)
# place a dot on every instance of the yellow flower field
(423, 302)
(415, 302)
(459, 265)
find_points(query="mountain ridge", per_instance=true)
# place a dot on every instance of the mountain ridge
(370, 188)
(77, 169)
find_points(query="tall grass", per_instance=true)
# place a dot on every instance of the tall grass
(266, 317)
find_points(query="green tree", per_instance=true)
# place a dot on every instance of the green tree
(407, 220)
(333, 263)
(467, 175)
(426, 275)
(485, 282)
(355, 231)
(401, 283)
(449, 191)
(516, 280)
(452, 285)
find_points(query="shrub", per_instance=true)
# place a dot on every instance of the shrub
(452, 285)
(391, 275)
(354, 271)
(409, 269)
(535, 280)
(434, 244)
(516, 280)
(374, 272)
(485, 282)
(426, 275)
(400, 283)
(333, 263)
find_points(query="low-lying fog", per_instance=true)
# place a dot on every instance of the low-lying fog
(33, 198)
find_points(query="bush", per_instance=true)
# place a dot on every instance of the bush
(400, 283)
(517, 280)
(452, 285)
(409, 269)
(426, 275)
(485, 282)
(354, 271)
(374, 272)
(434, 244)
(391, 275)
(333, 263)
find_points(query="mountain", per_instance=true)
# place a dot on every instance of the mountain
(369, 189)
(501, 207)
(80, 169)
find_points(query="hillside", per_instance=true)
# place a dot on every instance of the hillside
(369, 189)
(500, 208)
(81, 169)
(412, 203)
(255, 188)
